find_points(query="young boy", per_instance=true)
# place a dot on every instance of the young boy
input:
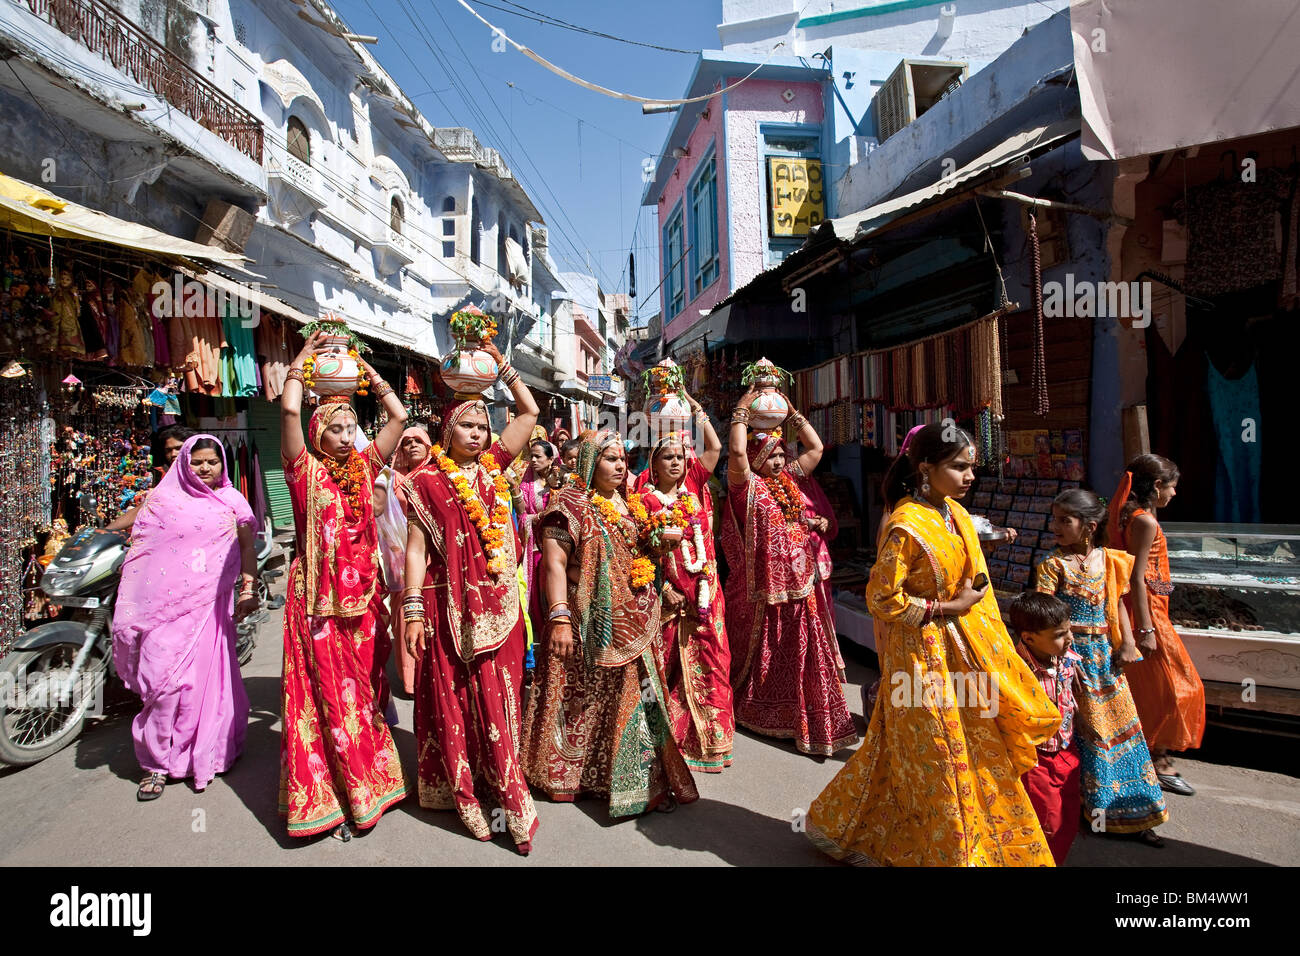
(1041, 625)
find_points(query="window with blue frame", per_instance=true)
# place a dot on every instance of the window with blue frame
(674, 268)
(704, 227)
(795, 141)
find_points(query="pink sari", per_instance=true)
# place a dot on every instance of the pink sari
(785, 667)
(173, 627)
(817, 505)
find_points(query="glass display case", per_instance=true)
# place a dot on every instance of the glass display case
(1236, 600)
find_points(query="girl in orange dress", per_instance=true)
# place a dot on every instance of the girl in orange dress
(1168, 692)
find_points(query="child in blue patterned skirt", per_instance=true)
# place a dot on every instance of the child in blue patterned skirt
(1119, 789)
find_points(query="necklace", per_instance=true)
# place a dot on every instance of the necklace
(786, 494)
(642, 572)
(945, 509)
(491, 528)
(350, 476)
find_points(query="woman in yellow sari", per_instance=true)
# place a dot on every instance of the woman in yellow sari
(959, 715)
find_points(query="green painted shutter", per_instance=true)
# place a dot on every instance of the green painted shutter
(264, 427)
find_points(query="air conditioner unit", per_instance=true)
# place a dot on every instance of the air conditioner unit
(225, 225)
(914, 87)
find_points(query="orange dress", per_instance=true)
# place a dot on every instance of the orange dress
(1168, 692)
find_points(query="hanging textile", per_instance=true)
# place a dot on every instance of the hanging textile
(953, 374)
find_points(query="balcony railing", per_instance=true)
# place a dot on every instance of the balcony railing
(296, 191)
(104, 31)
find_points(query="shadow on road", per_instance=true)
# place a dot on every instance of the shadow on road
(1091, 849)
(736, 835)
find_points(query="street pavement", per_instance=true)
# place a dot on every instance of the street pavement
(78, 808)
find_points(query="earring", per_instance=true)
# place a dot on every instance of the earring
(925, 484)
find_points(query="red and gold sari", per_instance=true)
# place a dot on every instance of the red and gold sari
(337, 758)
(601, 722)
(467, 682)
(957, 721)
(785, 667)
(693, 639)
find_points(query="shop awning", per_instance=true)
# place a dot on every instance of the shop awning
(1001, 160)
(249, 293)
(1159, 75)
(30, 209)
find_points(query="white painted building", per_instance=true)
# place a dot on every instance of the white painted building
(359, 204)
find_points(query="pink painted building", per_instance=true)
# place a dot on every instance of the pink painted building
(739, 184)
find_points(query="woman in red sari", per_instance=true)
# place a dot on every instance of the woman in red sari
(337, 758)
(599, 718)
(467, 633)
(784, 663)
(693, 633)
(412, 455)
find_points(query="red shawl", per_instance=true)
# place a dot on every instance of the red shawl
(338, 548)
(481, 608)
(774, 556)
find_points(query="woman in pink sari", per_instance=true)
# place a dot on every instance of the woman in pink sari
(412, 455)
(822, 529)
(173, 632)
(693, 631)
(785, 668)
(536, 492)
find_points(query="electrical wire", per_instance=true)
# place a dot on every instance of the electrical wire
(606, 91)
(560, 218)
(553, 21)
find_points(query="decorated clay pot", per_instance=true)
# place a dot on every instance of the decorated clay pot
(666, 407)
(768, 410)
(335, 371)
(667, 413)
(469, 370)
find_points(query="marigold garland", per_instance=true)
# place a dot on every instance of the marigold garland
(491, 529)
(643, 569)
(786, 492)
(350, 476)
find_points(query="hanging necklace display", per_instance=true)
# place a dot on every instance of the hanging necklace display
(26, 508)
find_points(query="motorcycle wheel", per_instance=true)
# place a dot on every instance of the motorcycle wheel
(33, 725)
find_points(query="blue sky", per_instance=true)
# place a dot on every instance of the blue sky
(578, 153)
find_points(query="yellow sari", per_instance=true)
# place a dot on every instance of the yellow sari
(957, 720)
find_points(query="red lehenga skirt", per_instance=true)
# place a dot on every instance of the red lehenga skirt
(467, 727)
(337, 757)
(604, 730)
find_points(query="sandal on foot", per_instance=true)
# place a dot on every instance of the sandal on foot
(1175, 784)
(342, 833)
(1151, 839)
(668, 806)
(151, 787)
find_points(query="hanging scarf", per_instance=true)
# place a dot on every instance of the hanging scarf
(775, 556)
(1117, 534)
(481, 609)
(184, 556)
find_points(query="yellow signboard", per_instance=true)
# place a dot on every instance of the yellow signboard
(796, 201)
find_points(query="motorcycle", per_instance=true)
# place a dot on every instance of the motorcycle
(54, 676)
(246, 630)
